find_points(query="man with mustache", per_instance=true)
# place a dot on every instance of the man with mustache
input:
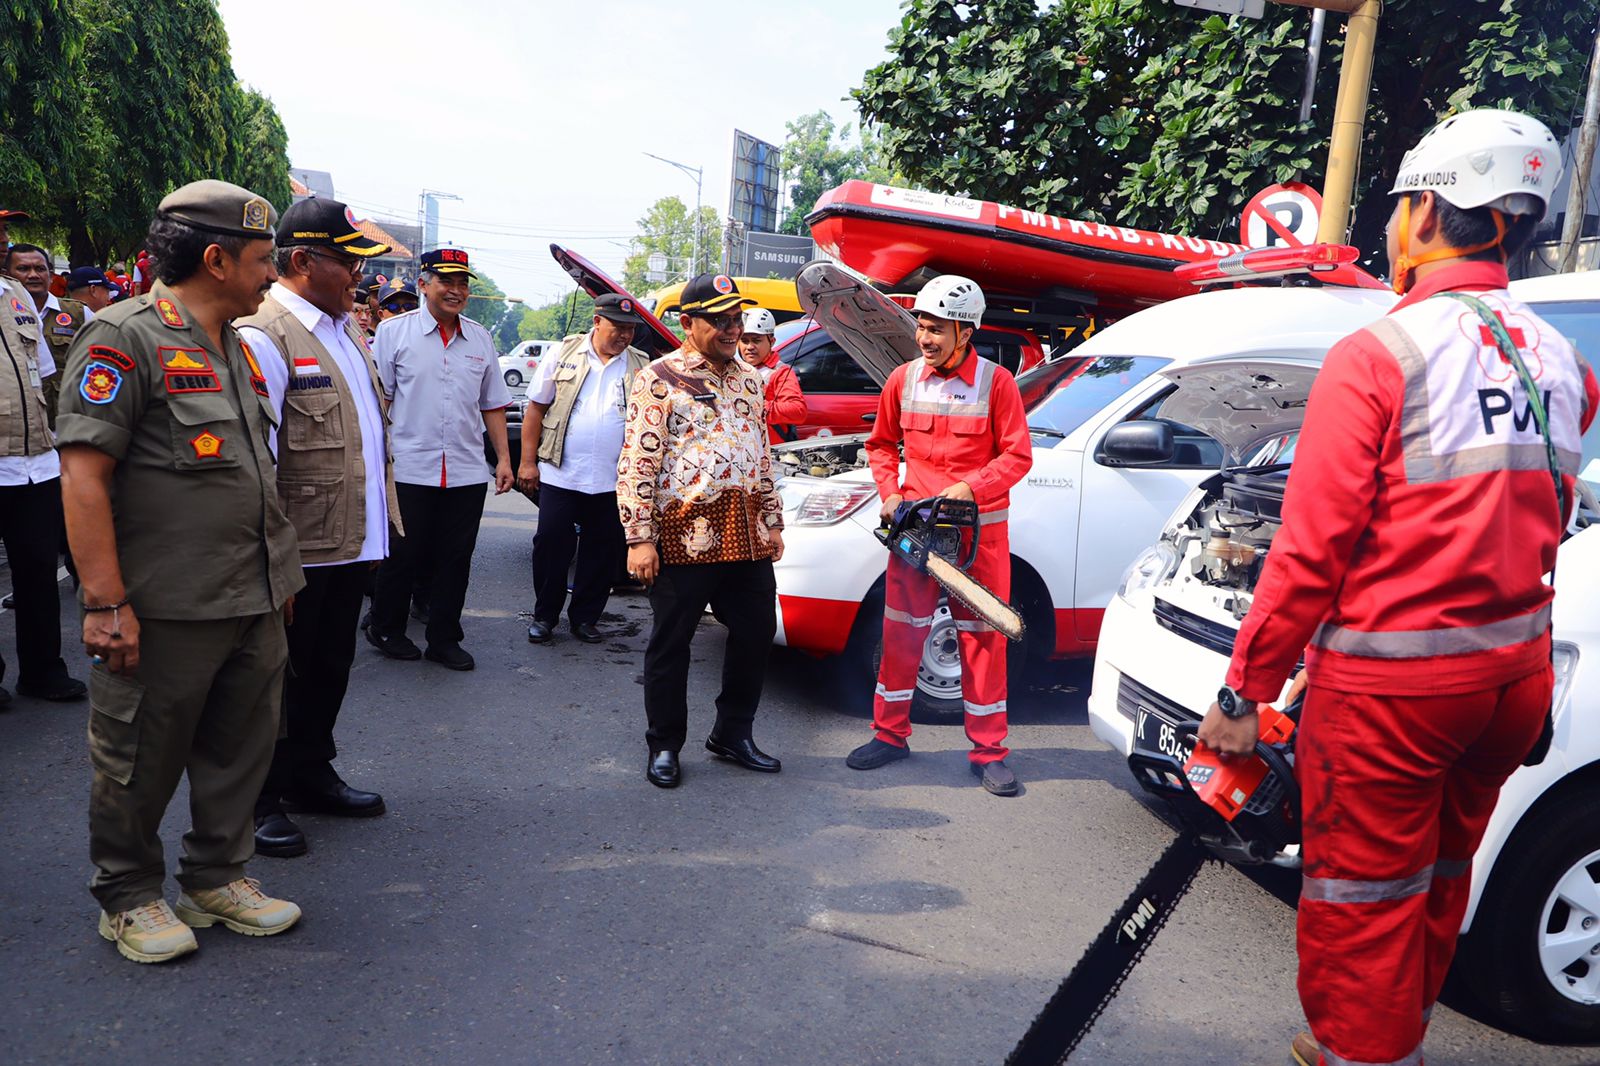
(442, 378)
(189, 567)
(336, 485)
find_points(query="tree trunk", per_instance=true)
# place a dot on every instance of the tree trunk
(80, 246)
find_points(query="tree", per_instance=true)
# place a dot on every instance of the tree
(817, 157)
(559, 318)
(41, 55)
(1138, 112)
(487, 306)
(258, 147)
(667, 229)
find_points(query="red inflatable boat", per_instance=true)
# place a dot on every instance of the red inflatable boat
(891, 234)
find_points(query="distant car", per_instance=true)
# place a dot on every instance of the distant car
(517, 365)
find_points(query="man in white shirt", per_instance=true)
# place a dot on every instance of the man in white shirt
(442, 377)
(336, 487)
(572, 434)
(30, 489)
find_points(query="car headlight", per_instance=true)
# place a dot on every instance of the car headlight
(1154, 565)
(832, 504)
(1564, 657)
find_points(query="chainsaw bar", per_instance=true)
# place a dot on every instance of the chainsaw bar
(976, 597)
(1094, 981)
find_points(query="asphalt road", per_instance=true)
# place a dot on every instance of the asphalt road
(529, 898)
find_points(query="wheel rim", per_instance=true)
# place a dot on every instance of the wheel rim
(1569, 932)
(513, 379)
(939, 671)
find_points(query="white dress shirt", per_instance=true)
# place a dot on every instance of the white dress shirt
(352, 364)
(26, 469)
(594, 429)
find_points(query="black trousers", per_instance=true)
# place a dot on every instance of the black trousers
(581, 522)
(742, 596)
(322, 646)
(30, 525)
(441, 533)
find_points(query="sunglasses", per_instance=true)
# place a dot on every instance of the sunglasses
(722, 323)
(352, 266)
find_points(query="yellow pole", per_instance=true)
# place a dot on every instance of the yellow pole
(1349, 113)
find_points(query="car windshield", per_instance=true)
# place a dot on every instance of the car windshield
(1579, 322)
(1082, 395)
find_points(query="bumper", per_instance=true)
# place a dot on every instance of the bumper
(825, 574)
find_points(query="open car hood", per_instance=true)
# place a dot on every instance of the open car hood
(652, 338)
(877, 332)
(1240, 401)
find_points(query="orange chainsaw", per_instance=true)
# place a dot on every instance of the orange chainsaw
(1244, 811)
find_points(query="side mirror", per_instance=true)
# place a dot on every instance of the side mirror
(1142, 443)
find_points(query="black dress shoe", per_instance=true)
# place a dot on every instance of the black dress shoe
(398, 647)
(278, 837)
(875, 753)
(745, 753)
(541, 632)
(588, 632)
(453, 656)
(662, 769)
(58, 689)
(997, 778)
(337, 799)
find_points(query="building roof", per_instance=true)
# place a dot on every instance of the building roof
(375, 232)
(297, 187)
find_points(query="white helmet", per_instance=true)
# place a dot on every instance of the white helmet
(1500, 159)
(951, 296)
(760, 320)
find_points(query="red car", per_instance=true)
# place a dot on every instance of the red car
(840, 395)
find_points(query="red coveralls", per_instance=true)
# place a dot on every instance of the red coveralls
(967, 425)
(786, 404)
(1419, 521)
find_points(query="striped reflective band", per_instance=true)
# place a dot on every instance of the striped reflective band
(1420, 643)
(1413, 1059)
(924, 395)
(1350, 890)
(983, 710)
(900, 695)
(918, 621)
(989, 518)
(973, 625)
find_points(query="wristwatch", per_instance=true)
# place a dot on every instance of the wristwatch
(1232, 704)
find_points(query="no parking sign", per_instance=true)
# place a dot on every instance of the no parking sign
(1282, 216)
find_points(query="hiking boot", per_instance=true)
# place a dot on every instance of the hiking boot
(997, 778)
(149, 932)
(1304, 1051)
(241, 906)
(875, 753)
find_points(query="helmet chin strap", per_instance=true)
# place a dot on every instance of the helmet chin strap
(1406, 263)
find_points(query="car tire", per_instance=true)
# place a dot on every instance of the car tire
(513, 378)
(1534, 902)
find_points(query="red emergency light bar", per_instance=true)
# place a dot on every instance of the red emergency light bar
(1269, 263)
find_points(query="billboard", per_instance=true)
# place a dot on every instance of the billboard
(753, 192)
(775, 255)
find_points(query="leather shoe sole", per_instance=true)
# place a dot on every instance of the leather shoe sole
(752, 759)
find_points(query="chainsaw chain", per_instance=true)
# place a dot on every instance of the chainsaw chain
(1152, 928)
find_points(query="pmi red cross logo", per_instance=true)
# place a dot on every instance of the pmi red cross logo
(1491, 361)
(1533, 168)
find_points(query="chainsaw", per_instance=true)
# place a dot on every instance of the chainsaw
(928, 534)
(1244, 811)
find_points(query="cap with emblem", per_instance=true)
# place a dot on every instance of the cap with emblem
(370, 285)
(709, 293)
(12, 214)
(83, 277)
(221, 207)
(327, 223)
(396, 288)
(618, 307)
(446, 261)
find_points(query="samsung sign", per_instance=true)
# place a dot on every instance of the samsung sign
(779, 255)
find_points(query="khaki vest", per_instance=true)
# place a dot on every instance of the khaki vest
(572, 367)
(24, 419)
(59, 329)
(321, 469)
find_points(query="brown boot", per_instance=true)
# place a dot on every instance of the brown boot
(1304, 1051)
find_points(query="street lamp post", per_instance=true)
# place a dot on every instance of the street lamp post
(698, 173)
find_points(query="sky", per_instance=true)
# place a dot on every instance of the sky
(537, 114)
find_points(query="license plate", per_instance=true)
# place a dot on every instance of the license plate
(1154, 734)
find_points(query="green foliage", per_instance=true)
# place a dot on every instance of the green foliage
(1140, 112)
(571, 314)
(667, 228)
(818, 156)
(486, 305)
(108, 107)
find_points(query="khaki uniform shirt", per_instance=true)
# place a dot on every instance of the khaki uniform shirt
(200, 532)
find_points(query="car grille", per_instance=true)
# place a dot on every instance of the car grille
(1131, 696)
(1208, 634)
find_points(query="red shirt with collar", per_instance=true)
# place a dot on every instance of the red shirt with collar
(1420, 517)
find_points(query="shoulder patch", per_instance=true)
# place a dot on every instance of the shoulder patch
(101, 383)
(169, 313)
(64, 319)
(107, 354)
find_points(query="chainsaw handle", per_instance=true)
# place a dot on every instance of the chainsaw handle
(1268, 754)
(935, 506)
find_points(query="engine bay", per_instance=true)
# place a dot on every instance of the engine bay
(1222, 544)
(821, 456)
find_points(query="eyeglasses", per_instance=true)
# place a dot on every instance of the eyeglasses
(351, 266)
(722, 323)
